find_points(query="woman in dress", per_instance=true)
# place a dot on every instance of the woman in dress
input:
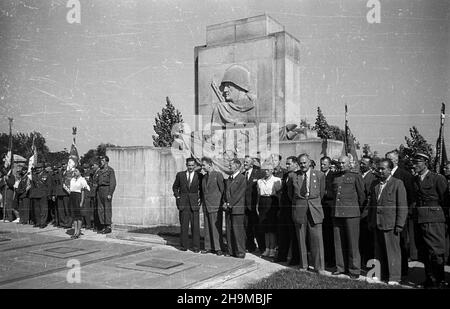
(267, 206)
(78, 186)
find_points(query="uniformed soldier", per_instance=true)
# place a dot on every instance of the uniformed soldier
(93, 193)
(41, 192)
(52, 201)
(62, 196)
(106, 184)
(349, 196)
(87, 210)
(23, 196)
(430, 215)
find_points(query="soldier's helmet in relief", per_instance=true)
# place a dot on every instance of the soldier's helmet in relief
(238, 75)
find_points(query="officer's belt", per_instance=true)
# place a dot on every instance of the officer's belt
(309, 197)
(103, 185)
(428, 203)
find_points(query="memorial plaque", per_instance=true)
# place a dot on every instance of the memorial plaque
(63, 250)
(159, 263)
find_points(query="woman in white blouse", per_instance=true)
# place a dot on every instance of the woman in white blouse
(267, 206)
(78, 186)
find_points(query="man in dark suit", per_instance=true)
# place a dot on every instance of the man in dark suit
(212, 192)
(407, 243)
(186, 189)
(307, 191)
(287, 236)
(234, 206)
(366, 240)
(430, 211)
(251, 217)
(41, 192)
(327, 204)
(349, 196)
(387, 217)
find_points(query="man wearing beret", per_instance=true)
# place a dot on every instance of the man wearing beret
(430, 215)
(106, 183)
(41, 192)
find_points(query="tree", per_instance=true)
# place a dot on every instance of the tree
(92, 154)
(366, 150)
(321, 126)
(164, 123)
(414, 144)
(22, 144)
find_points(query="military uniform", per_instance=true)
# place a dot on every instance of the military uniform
(93, 194)
(7, 190)
(88, 206)
(430, 217)
(41, 192)
(62, 197)
(23, 198)
(349, 196)
(106, 184)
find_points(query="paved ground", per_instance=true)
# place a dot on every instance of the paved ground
(44, 258)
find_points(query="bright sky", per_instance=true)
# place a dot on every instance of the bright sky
(110, 74)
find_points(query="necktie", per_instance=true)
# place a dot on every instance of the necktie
(303, 190)
(190, 180)
(247, 174)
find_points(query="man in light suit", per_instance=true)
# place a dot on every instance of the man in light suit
(308, 189)
(407, 243)
(251, 217)
(234, 206)
(387, 215)
(186, 191)
(212, 191)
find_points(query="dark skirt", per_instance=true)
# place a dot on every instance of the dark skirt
(74, 205)
(268, 208)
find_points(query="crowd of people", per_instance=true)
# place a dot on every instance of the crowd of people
(344, 218)
(64, 195)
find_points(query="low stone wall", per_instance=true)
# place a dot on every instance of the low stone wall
(143, 196)
(145, 175)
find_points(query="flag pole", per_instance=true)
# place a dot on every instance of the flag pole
(11, 160)
(440, 143)
(346, 131)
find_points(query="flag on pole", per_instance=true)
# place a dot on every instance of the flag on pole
(33, 159)
(349, 143)
(73, 155)
(441, 153)
(9, 160)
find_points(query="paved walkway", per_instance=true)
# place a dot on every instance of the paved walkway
(48, 258)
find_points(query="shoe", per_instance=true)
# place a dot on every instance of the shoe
(219, 253)
(182, 249)
(206, 251)
(272, 253)
(195, 250)
(107, 230)
(338, 273)
(375, 279)
(17, 220)
(42, 226)
(393, 283)
(241, 256)
(443, 285)
(266, 253)
(354, 276)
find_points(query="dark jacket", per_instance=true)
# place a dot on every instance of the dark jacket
(408, 182)
(431, 198)
(370, 180)
(235, 194)
(41, 185)
(186, 196)
(349, 195)
(107, 178)
(251, 191)
(212, 191)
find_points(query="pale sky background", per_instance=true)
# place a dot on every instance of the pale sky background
(109, 76)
